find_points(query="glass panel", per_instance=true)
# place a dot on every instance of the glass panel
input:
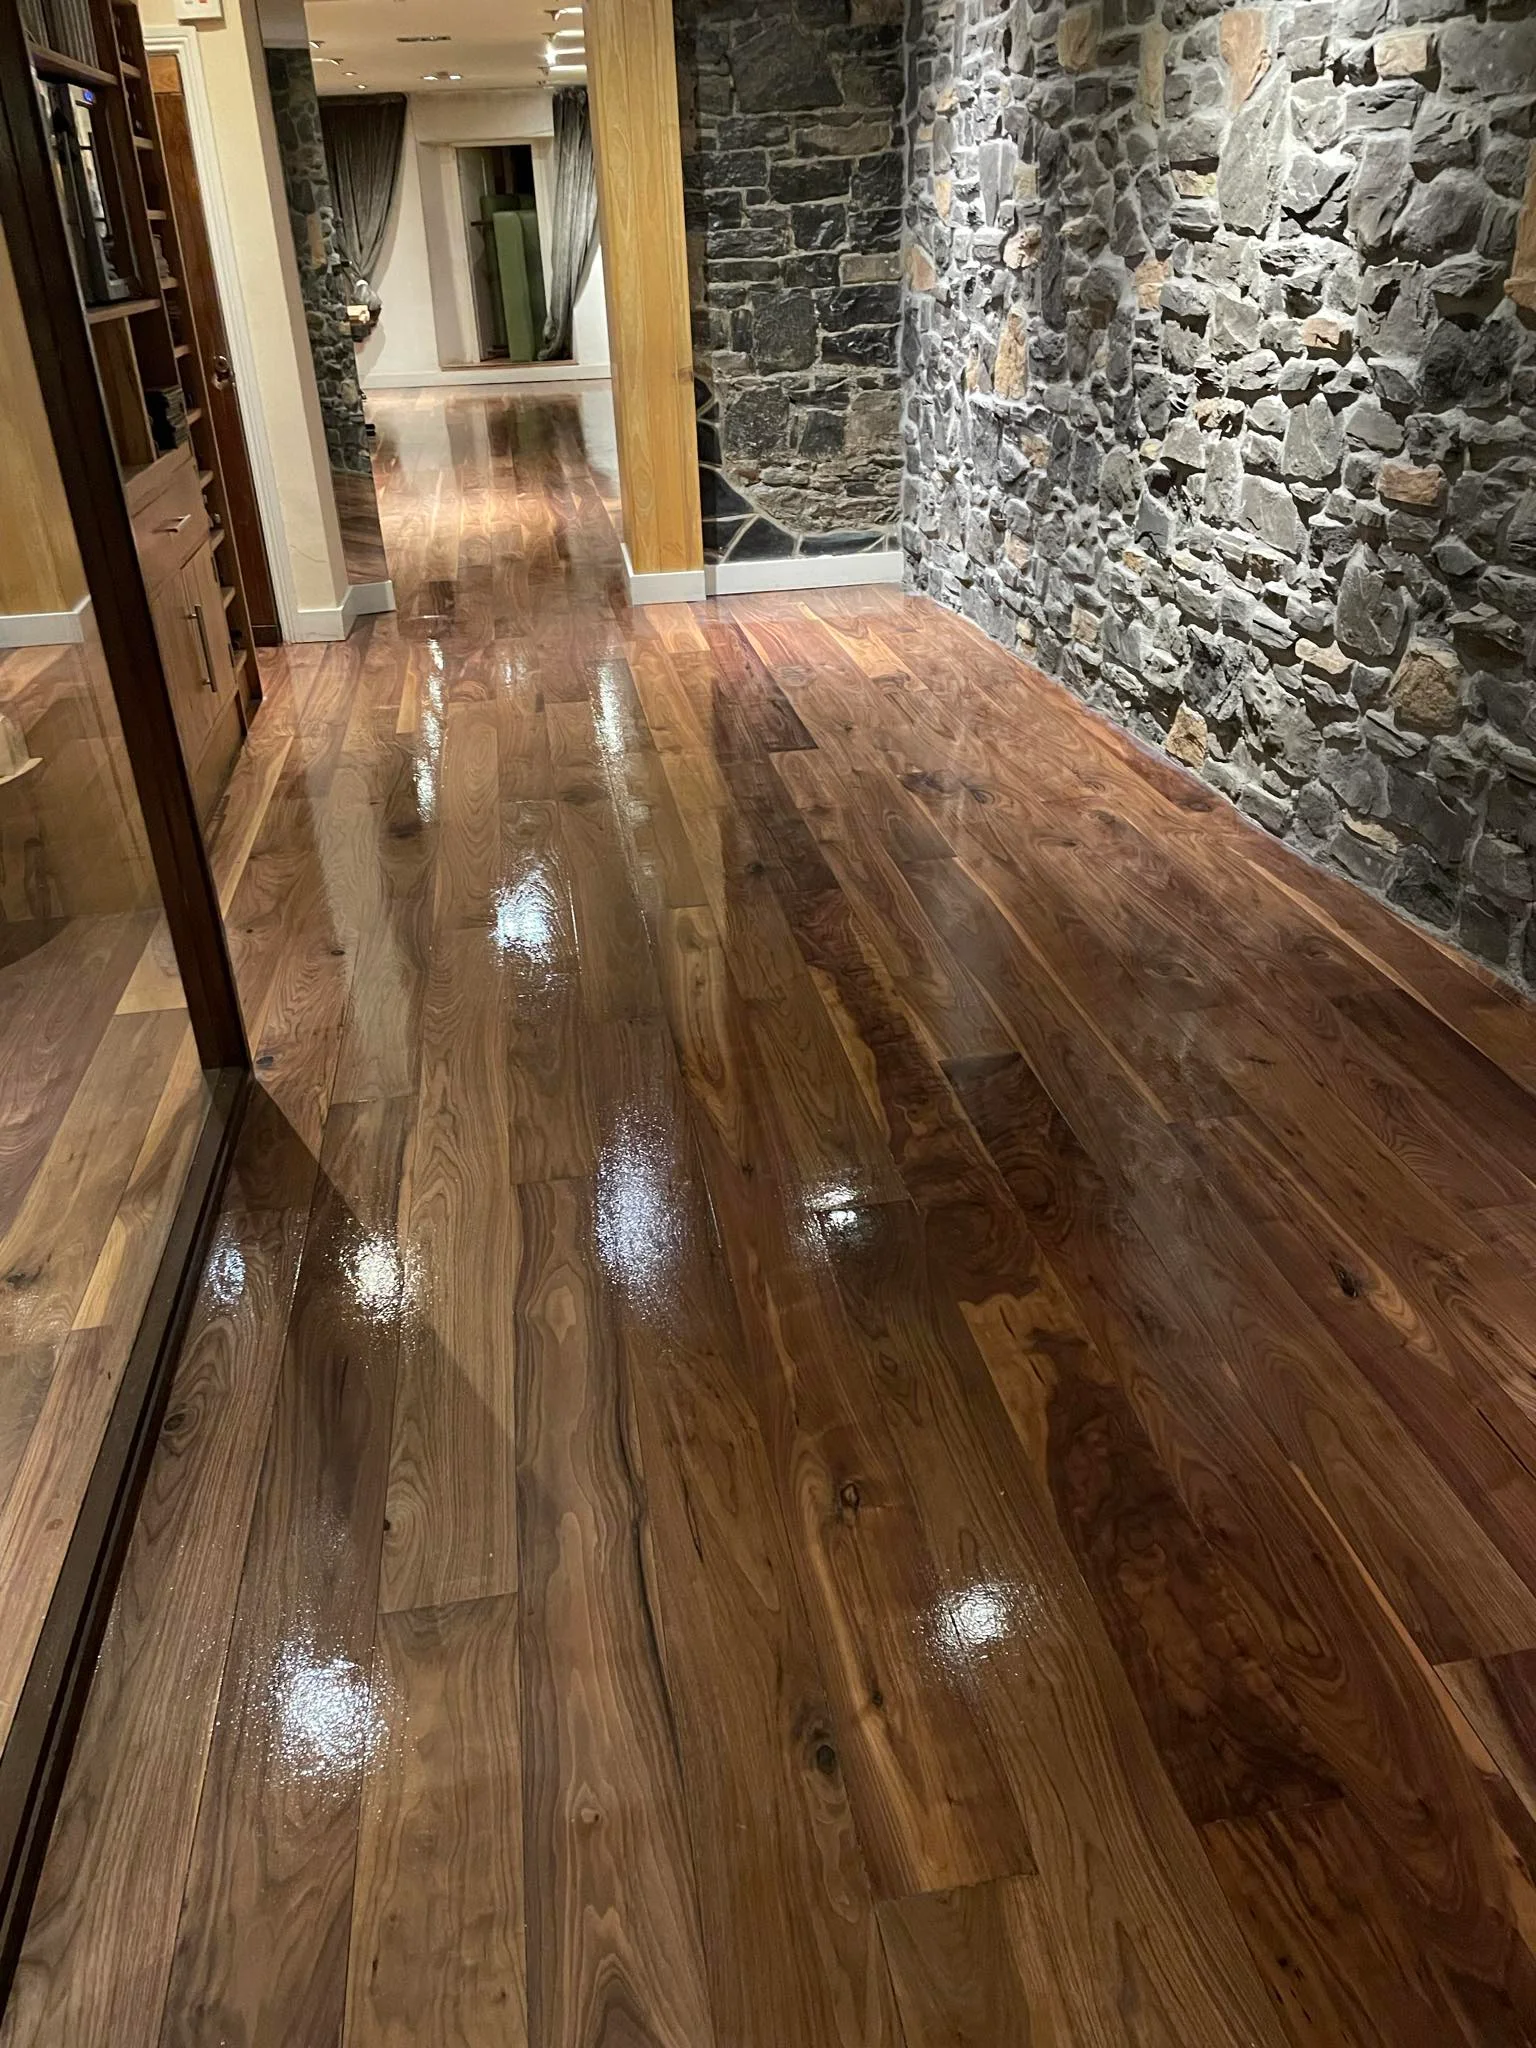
(102, 1099)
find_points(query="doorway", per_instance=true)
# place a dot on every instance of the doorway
(506, 258)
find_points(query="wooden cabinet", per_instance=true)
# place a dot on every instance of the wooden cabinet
(158, 381)
(177, 552)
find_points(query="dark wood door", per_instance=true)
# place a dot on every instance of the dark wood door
(208, 338)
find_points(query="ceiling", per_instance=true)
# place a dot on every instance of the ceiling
(492, 43)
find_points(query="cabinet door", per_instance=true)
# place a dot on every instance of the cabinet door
(186, 670)
(210, 629)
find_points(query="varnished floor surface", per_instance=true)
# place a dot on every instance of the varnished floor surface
(868, 1377)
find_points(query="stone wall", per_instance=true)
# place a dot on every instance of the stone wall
(793, 166)
(322, 279)
(1222, 404)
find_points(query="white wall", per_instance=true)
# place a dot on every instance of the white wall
(310, 568)
(424, 281)
(406, 336)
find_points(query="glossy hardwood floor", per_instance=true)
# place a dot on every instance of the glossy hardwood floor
(867, 1378)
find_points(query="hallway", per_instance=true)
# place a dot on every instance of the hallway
(866, 1377)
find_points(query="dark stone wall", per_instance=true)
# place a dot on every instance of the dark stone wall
(1222, 404)
(793, 171)
(322, 279)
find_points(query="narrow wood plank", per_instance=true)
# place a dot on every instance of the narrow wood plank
(778, 1859)
(614, 1949)
(450, 1520)
(437, 1918)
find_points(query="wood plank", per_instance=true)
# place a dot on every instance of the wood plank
(549, 1097)
(1343, 1968)
(612, 1901)
(1111, 1844)
(451, 1529)
(100, 1941)
(437, 1929)
(261, 1953)
(1229, 1733)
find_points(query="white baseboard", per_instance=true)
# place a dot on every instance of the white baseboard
(366, 601)
(803, 572)
(491, 373)
(335, 622)
(663, 586)
(44, 629)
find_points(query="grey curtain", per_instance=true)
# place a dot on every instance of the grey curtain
(364, 139)
(574, 228)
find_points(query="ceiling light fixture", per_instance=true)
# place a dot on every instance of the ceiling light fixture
(423, 39)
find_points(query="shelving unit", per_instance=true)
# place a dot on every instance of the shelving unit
(153, 378)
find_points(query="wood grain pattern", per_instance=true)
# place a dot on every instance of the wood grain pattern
(451, 1532)
(261, 1952)
(638, 153)
(906, 1412)
(41, 571)
(613, 1915)
(437, 1923)
(103, 1929)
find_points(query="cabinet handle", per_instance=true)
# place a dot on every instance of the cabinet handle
(196, 616)
(175, 525)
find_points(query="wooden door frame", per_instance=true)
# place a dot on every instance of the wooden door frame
(36, 1755)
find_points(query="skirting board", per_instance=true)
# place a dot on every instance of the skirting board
(522, 373)
(803, 572)
(335, 622)
(663, 586)
(44, 629)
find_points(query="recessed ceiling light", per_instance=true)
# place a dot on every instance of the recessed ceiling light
(423, 39)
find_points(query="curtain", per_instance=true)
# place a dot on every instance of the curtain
(364, 141)
(574, 228)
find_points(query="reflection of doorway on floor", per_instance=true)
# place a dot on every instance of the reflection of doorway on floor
(505, 255)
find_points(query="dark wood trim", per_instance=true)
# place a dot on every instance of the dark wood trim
(66, 369)
(54, 64)
(36, 1757)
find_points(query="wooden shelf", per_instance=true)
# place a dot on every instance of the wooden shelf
(153, 213)
(143, 483)
(68, 70)
(240, 658)
(229, 594)
(194, 416)
(204, 478)
(170, 284)
(217, 538)
(144, 142)
(120, 309)
(130, 70)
